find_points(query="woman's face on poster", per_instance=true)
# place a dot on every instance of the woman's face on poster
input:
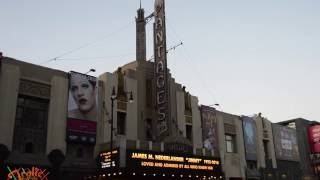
(83, 93)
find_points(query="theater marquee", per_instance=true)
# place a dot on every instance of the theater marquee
(157, 160)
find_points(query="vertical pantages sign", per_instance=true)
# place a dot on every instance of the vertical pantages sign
(160, 70)
(82, 108)
(285, 140)
(209, 128)
(250, 137)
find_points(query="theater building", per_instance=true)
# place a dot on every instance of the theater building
(33, 122)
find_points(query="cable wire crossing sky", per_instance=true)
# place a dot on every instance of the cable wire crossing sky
(248, 56)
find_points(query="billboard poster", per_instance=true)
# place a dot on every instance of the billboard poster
(285, 140)
(250, 137)
(160, 71)
(314, 138)
(82, 108)
(209, 128)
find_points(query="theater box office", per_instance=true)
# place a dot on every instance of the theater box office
(125, 163)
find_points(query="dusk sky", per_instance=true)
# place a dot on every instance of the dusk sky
(249, 56)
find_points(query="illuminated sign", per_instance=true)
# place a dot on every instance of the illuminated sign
(108, 160)
(160, 56)
(33, 173)
(165, 161)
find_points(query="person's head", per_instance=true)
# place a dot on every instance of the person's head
(83, 92)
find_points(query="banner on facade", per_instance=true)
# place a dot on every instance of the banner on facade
(209, 128)
(250, 137)
(82, 108)
(285, 140)
(314, 138)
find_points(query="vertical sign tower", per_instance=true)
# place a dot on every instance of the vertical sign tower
(161, 73)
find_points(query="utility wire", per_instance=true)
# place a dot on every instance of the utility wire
(87, 44)
(194, 66)
(92, 58)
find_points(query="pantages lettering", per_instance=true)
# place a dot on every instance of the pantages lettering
(161, 69)
(27, 174)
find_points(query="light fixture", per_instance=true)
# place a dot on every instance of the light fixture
(144, 174)
(91, 70)
(131, 97)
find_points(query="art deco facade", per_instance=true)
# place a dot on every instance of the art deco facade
(201, 142)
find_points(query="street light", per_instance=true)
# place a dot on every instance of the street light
(91, 70)
(113, 98)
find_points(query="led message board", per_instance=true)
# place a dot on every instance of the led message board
(165, 161)
(108, 160)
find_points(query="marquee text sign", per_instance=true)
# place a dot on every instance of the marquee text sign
(165, 161)
(108, 160)
(161, 85)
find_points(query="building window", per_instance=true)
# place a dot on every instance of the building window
(121, 123)
(79, 153)
(31, 112)
(252, 164)
(148, 93)
(28, 148)
(31, 122)
(149, 129)
(189, 132)
(266, 150)
(230, 143)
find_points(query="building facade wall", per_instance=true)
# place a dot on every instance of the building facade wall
(57, 114)
(233, 164)
(9, 87)
(196, 124)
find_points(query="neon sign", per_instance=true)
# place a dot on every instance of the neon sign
(33, 173)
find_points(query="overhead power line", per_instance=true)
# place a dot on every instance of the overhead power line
(93, 58)
(86, 44)
(168, 50)
(194, 66)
